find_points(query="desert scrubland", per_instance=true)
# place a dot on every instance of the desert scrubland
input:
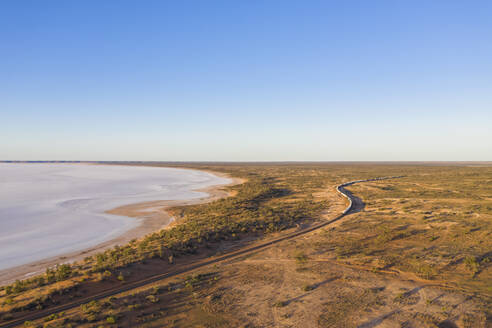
(417, 254)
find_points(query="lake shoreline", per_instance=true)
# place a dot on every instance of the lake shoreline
(152, 216)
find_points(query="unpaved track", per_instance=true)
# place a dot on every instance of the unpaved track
(355, 205)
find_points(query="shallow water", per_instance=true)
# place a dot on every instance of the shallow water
(51, 209)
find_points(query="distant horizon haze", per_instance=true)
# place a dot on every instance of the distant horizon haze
(246, 81)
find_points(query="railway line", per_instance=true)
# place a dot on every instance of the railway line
(355, 205)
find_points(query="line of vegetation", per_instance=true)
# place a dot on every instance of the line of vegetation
(435, 223)
(260, 206)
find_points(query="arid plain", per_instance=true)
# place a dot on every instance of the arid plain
(415, 253)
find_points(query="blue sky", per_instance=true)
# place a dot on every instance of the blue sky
(246, 80)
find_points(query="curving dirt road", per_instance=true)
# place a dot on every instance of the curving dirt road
(355, 205)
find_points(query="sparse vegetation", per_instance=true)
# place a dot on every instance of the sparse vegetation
(434, 225)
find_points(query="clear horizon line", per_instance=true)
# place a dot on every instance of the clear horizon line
(246, 161)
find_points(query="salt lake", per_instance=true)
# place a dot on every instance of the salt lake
(51, 209)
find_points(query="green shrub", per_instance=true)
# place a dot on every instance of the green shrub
(111, 319)
(280, 304)
(301, 258)
(152, 299)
